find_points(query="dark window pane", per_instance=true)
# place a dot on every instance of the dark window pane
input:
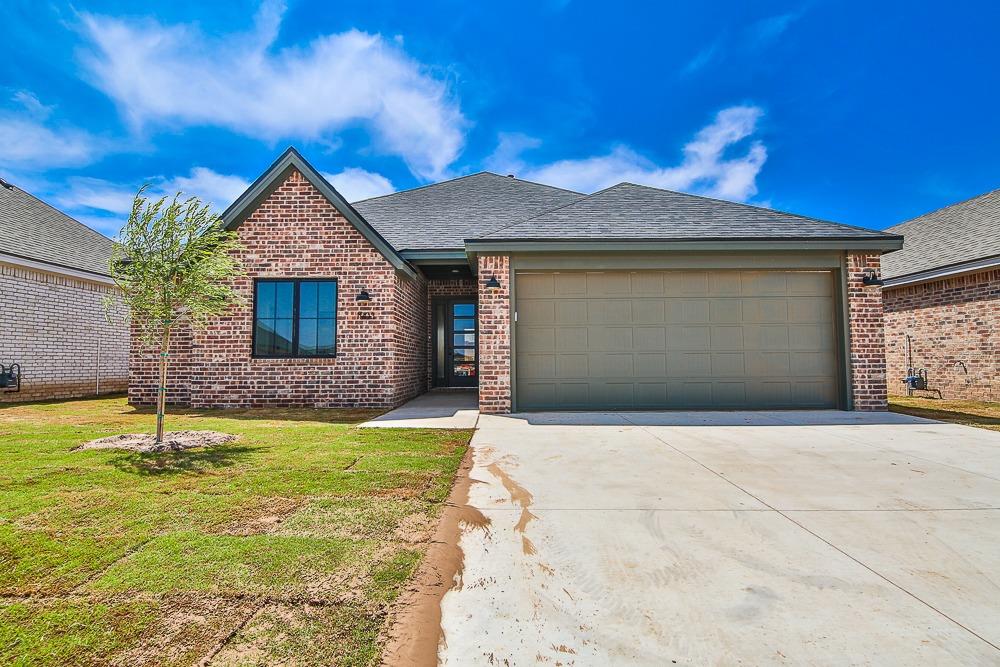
(464, 354)
(464, 309)
(283, 298)
(465, 370)
(307, 300)
(264, 338)
(465, 340)
(307, 337)
(327, 300)
(465, 325)
(282, 337)
(326, 332)
(265, 301)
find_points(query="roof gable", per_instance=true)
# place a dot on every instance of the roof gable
(31, 229)
(956, 234)
(276, 174)
(636, 212)
(442, 215)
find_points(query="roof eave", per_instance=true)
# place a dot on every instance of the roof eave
(951, 271)
(267, 182)
(52, 267)
(875, 243)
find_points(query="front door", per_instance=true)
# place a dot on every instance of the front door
(461, 363)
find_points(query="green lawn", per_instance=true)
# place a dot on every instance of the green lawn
(285, 546)
(969, 413)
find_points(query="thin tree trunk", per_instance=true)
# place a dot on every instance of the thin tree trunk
(161, 393)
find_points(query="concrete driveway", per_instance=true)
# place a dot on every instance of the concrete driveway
(728, 538)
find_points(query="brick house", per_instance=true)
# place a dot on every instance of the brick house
(543, 298)
(942, 301)
(53, 282)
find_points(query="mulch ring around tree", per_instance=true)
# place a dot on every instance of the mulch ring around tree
(174, 441)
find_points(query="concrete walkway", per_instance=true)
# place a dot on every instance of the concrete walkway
(438, 408)
(811, 538)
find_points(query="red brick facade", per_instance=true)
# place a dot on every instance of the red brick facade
(953, 327)
(867, 335)
(494, 336)
(381, 355)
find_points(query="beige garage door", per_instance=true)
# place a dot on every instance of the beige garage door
(675, 340)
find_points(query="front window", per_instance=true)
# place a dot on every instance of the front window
(295, 318)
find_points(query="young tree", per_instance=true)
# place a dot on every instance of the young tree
(173, 263)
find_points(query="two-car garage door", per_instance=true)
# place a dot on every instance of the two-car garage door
(726, 339)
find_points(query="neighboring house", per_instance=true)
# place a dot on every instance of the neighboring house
(942, 300)
(629, 298)
(53, 324)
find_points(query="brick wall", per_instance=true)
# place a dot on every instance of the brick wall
(954, 330)
(144, 369)
(52, 325)
(380, 362)
(494, 336)
(443, 289)
(864, 304)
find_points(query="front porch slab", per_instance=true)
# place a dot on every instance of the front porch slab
(438, 408)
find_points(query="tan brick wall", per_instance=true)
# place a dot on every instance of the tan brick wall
(494, 336)
(954, 330)
(867, 333)
(380, 362)
(52, 325)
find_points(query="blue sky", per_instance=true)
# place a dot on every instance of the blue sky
(860, 112)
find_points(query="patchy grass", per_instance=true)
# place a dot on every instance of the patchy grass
(968, 413)
(284, 546)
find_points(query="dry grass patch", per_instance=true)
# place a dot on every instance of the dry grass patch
(981, 414)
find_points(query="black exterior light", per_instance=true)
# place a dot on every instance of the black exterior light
(363, 295)
(493, 283)
(870, 278)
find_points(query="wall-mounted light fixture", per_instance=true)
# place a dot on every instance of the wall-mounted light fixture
(363, 295)
(870, 278)
(493, 283)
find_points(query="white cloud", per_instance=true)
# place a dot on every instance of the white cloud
(771, 28)
(218, 190)
(27, 142)
(32, 104)
(357, 184)
(105, 204)
(176, 74)
(705, 169)
(506, 159)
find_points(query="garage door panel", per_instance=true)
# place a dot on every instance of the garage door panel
(726, 338)
(651, 365)
(725, 311)
(676, 339)
(537, 311)
(650, 338)
(537, 366)
(573, 366)
(571, 311)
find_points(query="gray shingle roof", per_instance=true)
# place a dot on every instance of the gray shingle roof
(628, 211)
(955, 234)
(32, 229)
(442, 215)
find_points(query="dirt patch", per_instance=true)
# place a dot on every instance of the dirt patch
(415, 630)
(172, 442)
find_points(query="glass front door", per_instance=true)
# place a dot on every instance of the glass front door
(461, 358)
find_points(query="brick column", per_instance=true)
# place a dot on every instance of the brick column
(494, 335)
(865, 315)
